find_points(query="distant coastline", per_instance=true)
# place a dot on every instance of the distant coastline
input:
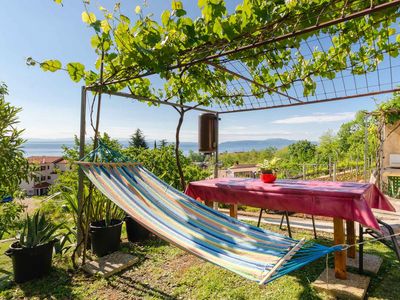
(54, 147)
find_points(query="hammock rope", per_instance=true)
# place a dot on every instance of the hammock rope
(254, 253)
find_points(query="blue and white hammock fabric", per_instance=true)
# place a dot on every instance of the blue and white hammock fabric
(254, 253)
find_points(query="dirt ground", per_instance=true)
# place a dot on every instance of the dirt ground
(30, 203)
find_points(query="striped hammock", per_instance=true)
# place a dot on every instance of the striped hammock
(249, 251)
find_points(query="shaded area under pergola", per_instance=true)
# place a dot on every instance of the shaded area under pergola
(355, 80)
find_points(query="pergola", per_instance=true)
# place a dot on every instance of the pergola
(354, 80)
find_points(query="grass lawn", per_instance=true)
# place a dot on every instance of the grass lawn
(165, 272)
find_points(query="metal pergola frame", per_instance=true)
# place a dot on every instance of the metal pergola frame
(211, 61)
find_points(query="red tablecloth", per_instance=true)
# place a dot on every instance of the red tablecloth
(348, 200)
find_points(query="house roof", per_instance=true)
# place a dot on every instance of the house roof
(41, 185)
(243, 166)
(46, 160)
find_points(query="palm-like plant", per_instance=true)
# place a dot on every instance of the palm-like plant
(37, 231)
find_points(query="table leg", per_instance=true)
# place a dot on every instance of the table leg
(351, 238)
(340, 256)
(208, 203)
(233, 210)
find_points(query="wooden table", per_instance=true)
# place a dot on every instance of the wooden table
(340, 200)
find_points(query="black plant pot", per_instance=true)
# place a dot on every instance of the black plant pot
(135, 231)
(30, 263)
(105, 240)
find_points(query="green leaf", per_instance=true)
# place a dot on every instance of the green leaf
(76, 71)
(88, 18)
(51, 65)
(105, 26)
(138, 9)
(217, 28)
(177, 5)
(398, 38)
(180, 12)
(124, 19)
(95, 41)
(58, 1)
(165, 17)
(201, 3)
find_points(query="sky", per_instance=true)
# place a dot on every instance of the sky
(51, 101)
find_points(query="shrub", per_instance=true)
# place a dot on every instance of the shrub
(10, 217)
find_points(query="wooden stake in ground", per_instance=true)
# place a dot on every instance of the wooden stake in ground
(340, 256)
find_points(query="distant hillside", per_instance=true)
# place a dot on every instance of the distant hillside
(240, 146)
(237, 146)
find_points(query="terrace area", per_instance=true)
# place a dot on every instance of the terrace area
(309, 221)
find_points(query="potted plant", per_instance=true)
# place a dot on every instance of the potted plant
(268, 170)
(135, 231)
(32, 254)
(105, 229)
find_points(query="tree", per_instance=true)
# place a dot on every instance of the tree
(351, 137)
(248, 157)
(137, 140)
(328, 147)
(161, 162)
(72, 153)
(163, 143)
(13, 165)
(302, 151)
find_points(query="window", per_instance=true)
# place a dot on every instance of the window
(48, 167)
(42, 168)
(43, 178)
(49, 177)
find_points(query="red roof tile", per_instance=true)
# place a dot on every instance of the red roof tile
(46, 160)
(41, 185)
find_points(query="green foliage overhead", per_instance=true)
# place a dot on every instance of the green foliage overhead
(390, 109)
(132, 46)
(76, 71)
(13, 165)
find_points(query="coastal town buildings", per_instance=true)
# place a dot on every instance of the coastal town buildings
(47, 169)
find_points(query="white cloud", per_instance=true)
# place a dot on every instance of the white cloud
(317, 118)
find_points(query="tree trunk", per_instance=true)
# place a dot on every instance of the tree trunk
(178, 160)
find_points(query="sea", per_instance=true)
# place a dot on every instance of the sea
(55, 148)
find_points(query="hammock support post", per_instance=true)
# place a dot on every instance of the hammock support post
(287, 257)
(80, 172)
(215, 204)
